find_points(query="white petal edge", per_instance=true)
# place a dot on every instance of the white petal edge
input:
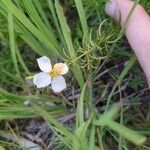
(42, 80)
(64, 68)
(58, 84)
(44, 64)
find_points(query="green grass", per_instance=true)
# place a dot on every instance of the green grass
(103, 71)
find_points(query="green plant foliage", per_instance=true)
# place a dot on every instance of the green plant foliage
(102, 73)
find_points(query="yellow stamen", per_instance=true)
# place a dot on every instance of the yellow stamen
(56, 70)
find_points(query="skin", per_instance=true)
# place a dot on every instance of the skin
(137, 31)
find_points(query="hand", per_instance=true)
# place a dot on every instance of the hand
(137, 31)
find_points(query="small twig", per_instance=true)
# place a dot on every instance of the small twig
(66, 118)
(140, 93)
(34, 138)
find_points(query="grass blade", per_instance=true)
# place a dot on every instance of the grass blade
(83, 19)
(12, 43)
(67, 36)
(52, 10)
(92, 139)
(27, 23)
(38, 21)
(80, 107)
(129, 134)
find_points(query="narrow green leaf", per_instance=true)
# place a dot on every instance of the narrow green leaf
(20, 59)
(91, 145)
(38, 21)
(39, 8)
(12, 42)
(65, 29)
(80, 107)
(80, 140)
(53, 12)
(31, 40)
(129, 134)
(83, 19)
(68, 39)
(27, 23)
(108, 116)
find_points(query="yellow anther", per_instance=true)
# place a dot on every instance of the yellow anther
(57, 69)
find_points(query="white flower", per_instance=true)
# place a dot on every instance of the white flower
(50, 75)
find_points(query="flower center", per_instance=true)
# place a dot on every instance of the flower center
(56, 70)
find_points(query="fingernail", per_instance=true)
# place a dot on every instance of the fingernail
(110, 8)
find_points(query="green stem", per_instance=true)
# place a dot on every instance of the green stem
(100, 139)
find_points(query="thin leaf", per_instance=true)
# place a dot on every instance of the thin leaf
(83, 20)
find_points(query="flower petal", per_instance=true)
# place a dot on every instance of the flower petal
(62, 67)
(58, 84)
(44, 64)
(42, 79)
